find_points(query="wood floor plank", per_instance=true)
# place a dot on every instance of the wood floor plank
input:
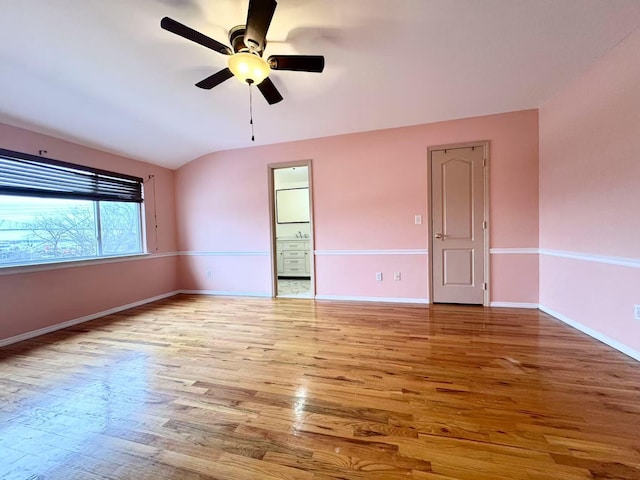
(213, 388)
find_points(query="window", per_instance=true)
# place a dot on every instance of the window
(52, 211)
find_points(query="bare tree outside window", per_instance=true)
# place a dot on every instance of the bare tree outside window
(44, 230)
(120, 226)
(70, 233)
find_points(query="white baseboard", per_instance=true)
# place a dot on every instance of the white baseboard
(513, 305)
(226, 293)
(563, 318)
(593, 333)
(372, 299)
(58, 326)
(231, 293)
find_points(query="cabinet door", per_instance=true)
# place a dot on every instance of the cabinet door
(279, 258)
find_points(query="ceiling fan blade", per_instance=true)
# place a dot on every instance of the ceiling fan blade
(258, 21)
(297, 63)
(189, 33)
(270, 92)
(215, 79)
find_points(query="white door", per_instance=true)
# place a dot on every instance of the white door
(457, 225)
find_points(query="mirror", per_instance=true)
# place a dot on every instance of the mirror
(292, 205)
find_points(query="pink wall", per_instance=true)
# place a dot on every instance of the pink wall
(589, 195)
(30, 301)
(509, 268)
(367, 189)
(564, 181)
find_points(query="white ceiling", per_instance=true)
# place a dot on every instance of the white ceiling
(104, 74)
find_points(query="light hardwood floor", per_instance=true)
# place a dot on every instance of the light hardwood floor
(197, 387)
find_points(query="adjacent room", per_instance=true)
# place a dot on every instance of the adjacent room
(316, 240)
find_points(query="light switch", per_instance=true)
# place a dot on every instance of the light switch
(418, 219)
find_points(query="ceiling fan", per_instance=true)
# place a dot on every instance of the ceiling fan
(245, 55)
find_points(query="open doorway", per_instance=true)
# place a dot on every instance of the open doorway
(292, 230)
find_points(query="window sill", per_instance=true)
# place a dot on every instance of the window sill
(83, 262)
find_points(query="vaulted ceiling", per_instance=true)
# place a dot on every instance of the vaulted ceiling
(104, 74)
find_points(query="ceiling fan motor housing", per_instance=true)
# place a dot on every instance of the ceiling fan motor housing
(236, 39)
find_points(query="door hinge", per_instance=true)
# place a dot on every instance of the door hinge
(484, 162)
(484, 225)
(484, 286)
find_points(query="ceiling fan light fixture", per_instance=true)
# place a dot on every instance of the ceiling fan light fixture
(248, 67)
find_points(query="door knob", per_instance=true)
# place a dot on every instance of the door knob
(439, 235)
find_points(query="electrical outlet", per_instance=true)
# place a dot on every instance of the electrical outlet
(209, 274)
(379, 276)
(418, 219)
(396, 276)
(636, 312)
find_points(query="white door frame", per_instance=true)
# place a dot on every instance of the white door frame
(484, 144)
(272, 225)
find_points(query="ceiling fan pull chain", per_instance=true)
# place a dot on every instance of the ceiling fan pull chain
(253, 139)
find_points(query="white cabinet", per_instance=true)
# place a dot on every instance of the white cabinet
(293, 258)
